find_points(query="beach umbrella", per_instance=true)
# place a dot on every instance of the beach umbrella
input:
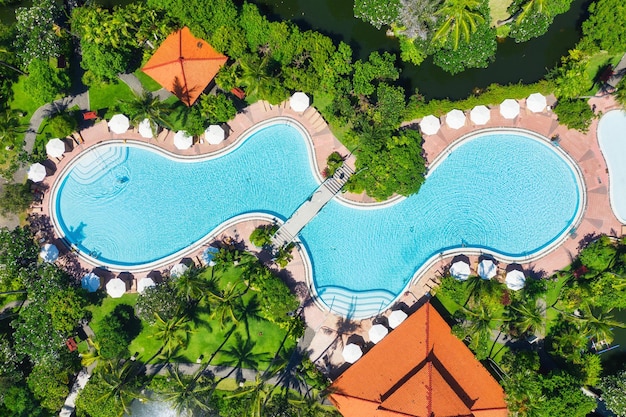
(487, 269)
(119, 124)
(49, 252)
(90, 282)
(396, 317)
(36, 172)
(430, 125)
(116, 288)
(515, 280)
(509, 108)
(377, 333)
(536, 102)
(351, 353)
(460, 270)
(214, 134)
(299, 102)
(209, 254)
(182, 140)
(184, 65)
(55, 148)
(480, 115)
(145, 129)
(455, 119)
(177, 270)
(144, 283)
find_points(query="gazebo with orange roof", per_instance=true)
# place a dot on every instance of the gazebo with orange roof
(419, 369)
(184, 65)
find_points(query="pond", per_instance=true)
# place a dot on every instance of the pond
(526, 62)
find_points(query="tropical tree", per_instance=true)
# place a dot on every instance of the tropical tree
(460, 18)
(241, 355)
(598, 323)
(479, 323)
(11, 128)
(527, 317)
(147, 106)
(188, 396)
(226, 303)
(120, 383)
(190, 286)
(171, 333)
(257, 394)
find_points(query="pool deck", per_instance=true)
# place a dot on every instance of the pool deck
(328, 332)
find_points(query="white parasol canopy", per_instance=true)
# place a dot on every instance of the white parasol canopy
(144, 283)
(55, 148)
(177, 270)
(396, 317)
(480, 115)
(430, 125)
(182, 140)
(119, 124)
(455, 119)
(487, 269)
(49, 252)
(116, 288)
(299, 102)
(509, 108)
(460, 270)
(377, 333)
(351, 353)
(536, 102)
(90, 282)
(209, 254)
(36, 172)
(515, 280)
(145, 129)
(214, 134)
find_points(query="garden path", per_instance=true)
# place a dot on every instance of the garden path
(134, 84)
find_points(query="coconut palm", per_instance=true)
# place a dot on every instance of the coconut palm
(527, 317)
(188, 396)
(190, 285)
(241, 355)
(120, 380)
(257, 394)
(146, 106)
(460, 18)
(171, 333)
(11, 128)
(93, 355)
(7, 65)
(227, 303)
(537, 6)
(599, 324)
(478, 288)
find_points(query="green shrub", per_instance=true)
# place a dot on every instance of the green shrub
(262, 235)
(333, 163)
(62, 125)
(15, 198)
(575, 114)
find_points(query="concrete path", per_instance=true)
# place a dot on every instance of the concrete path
(309, 209)
(133, 82)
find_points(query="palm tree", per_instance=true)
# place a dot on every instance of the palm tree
(256, 76)
(527, 317)
(460, 17)
(190, 285)
(93, 355)
(227, 303)
(7, 65)
(187, 397)
(241, 356)
(478, 288)
(532, 5)
(11, 127)
(147, 106)
(599, 324)
(171, 333)
(257, 393)
(120, 380)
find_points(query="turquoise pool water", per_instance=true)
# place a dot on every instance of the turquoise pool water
(506, 194)
(613, 145)
(127, 206)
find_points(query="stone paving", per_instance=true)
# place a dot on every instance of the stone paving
(331, 332)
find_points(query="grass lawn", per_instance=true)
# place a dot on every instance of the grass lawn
(102, 97)
(498, 10)
(596, 65)
(147, 82)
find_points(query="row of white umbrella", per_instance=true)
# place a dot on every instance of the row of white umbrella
(480, 115)
(352, 352)
(487, 269)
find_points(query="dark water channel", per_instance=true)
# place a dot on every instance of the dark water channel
(526, 62)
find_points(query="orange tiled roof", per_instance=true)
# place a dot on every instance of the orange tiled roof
(419, 369)
(184, 65)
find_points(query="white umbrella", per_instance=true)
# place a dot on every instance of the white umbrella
(480, 115)
(209, 254)
(90, 282)
(515, 280)
(144, 283)
(145, 129)
(396, 317)
(351, 353)
(119, 123)
(182, 140)
(536, 102)
(509, 108)
(460, 270)
(487, 269)
(430, 125)
(214, 134)
(55, 148)
(377, 333)
(49, 253)
(299, 102)
(455, 119)
(116, 288)
(177, 270)
(36, 172)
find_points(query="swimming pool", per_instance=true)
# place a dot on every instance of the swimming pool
(128, 207)
(506, 194)
(612, 142)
